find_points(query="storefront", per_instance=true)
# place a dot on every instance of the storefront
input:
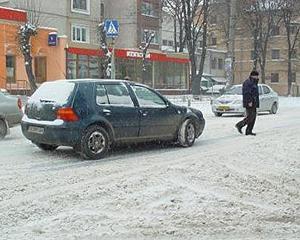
(48, 59)
(168, 73)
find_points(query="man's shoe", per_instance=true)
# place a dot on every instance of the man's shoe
(239, 129)
(252, 134)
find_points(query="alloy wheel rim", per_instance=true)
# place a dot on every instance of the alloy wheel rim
(190, 132)
(96, 142)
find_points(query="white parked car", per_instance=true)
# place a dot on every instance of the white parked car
(232, 101)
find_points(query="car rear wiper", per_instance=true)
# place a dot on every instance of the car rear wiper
(47, 101)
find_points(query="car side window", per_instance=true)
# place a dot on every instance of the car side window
(101, 96)
(147, 98)
(266, 90)
(118, 94)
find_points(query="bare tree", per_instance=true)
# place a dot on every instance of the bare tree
(174, 9)
(195, 15)
(261, 17)
(290, 14)
(106, 66)
(26, 32)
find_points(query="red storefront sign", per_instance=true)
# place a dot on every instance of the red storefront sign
(129, 54)
(13, 14)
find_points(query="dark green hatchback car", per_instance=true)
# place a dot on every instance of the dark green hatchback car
(90, 115)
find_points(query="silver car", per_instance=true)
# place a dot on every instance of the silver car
(232, 101)
(10, 112)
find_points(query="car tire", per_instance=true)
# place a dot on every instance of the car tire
(94, 142)
(3, 129)
(274, 108)
(46, 147)
(187, 133)
(217, 114)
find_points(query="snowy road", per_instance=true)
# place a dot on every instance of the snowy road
(227, 186)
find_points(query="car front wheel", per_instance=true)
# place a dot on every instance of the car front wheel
(3, 129)
(187, 133)
(94, 142)
(274, 108)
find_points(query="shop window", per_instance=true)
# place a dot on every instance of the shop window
(274, 77)
(80, 34)
(148, 9)
(80, 6)
(40, 69)
(10, 69)
(275, 54)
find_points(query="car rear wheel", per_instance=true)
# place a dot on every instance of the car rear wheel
(274, 108)
(94, 142)
(3, 129)
(187, 133)
(46, 147)
(217, 114)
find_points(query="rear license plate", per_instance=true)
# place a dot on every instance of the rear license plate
(223, 108)
(38, 130)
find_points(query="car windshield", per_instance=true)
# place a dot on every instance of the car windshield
(56, 92)
(235, 90)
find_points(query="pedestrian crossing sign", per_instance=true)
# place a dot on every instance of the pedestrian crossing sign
(111, 28)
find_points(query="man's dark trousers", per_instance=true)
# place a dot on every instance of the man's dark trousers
(249, 120)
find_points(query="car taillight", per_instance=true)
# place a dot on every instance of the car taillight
(19, 104)
(67, 114)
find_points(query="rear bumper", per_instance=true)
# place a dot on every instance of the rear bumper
(56, 133)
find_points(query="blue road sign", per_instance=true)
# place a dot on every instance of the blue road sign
(111, 28)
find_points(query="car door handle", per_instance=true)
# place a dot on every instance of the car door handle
(106, 111)
(144, 113)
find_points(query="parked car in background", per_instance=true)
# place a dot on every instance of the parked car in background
(232, 101)
(90, 115)
(10, 112)
(209, 85)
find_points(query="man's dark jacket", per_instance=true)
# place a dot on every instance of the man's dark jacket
(250, 93)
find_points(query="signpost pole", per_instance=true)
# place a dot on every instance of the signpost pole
(113, 65)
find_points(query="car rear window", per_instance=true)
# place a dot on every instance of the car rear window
(58, 92)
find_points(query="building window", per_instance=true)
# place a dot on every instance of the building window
(213, 19)
(10, 69)
(294, 54)
(275, 54)
(293, 76)
(253, 55)
(148, 9)
(274, 77)
(220, 63)
(165, 42)
(214, 41)
(149, 32)
(80, 34)
(81, 6)
(102, 10)
(275, 31)
(170, 43)
(213, 63)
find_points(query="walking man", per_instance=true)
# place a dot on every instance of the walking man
(250, 102)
